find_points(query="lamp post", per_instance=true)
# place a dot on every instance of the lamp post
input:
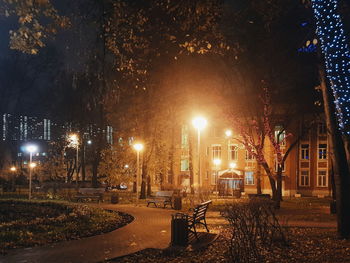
(74, 142)
(228, 133)
(31, 149)
(83, 160)
(13, 170)
(199, 123)
(138, 147)
(217, 162)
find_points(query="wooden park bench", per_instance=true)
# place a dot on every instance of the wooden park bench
(198, 217)
(162, 197)
(252, 196)
(90, 193)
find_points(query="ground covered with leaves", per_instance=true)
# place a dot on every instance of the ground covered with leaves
(304, 245)
(33, 223)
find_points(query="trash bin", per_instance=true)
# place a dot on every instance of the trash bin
(115, 198)
(177, 202)
(179, 229)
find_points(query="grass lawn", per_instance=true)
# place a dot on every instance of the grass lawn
(32, 223)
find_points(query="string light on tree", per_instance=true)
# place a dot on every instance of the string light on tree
(335, 49)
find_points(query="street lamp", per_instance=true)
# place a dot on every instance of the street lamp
(13, 170)
(233, 165)
(31, 148)
(199, 123)
(228, 133)
(217, 162)
(74, 142)
(138, 147)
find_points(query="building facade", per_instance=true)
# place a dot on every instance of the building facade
(225, 164)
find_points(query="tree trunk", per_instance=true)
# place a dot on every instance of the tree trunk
(83, 168)
(171, 158)
(258, 180)
(279, 184)
(272, 184)
(94, 181)
(143, 181)
(149, 187)
(190, 165)
(341, 168)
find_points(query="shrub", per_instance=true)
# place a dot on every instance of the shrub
(255, 230)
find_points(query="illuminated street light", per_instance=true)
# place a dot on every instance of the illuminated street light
(74, 142)
(228, 133)
(233, 165)
(126, 166)
(32, 165)
(89, 142)
(199, 123)
(31, 148)
(138, 147)
(13, 169)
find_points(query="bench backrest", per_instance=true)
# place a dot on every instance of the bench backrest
(200, 210)
(164, 193)
(91, 191)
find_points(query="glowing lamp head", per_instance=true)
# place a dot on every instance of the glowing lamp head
(199, 123)
(217, 161)
(228, 133)
(31, 148)
(89, 142)
(138, 146)
(126, 166)
(233, 165)
(13, 169)
(32, 165)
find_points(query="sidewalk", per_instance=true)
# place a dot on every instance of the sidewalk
(150, 229)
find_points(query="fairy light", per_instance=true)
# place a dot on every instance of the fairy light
(330, 31)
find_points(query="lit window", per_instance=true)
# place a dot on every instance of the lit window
(249, 178)
(233, 152)
(276, 165)
(322, 151)
(249, 155)
(280, 135)
(184, 137)
(304, 152)
(184, 165)
(304, 178)
(322, 178)
(216, 152)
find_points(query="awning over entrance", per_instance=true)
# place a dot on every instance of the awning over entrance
(230, 174)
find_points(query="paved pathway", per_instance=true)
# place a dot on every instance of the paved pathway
(150, 229)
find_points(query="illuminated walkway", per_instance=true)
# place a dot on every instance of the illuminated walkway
(150, 229)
